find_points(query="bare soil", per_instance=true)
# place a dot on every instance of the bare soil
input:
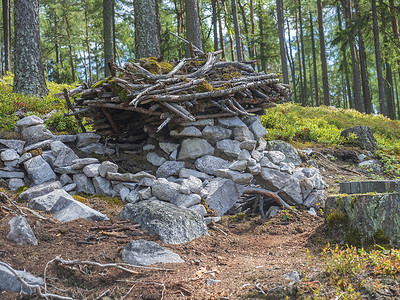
(241, 258)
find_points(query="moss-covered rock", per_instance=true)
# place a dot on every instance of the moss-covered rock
(365, 219)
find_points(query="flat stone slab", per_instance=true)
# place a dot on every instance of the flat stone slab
(146, 253)
(39, 190)
(173, 225)
(370, 186)
(21, 232)
(9, 282)
(47, 201)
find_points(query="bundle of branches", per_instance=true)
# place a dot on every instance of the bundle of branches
(191, 89)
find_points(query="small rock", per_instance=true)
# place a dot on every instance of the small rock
(96, 148)
(210, 164)
(165, 190)
(200, 123)
(9, 155)
(21, 232)
(194, 184)
(36, 133)
(80, 163)
(272, 211)
(29, 121)
(107, 166)
(249, 145)
(194, 148)
(11, 174)
(210, 281)
(255, 170)
(145, 194)
(25, 157)
(238, 165)
(17, 145)
(169, 168)
(242, 134)
(91, 170)
(149, 147)
(244, 155)
(86, 138)
(155, 159)
(275, 157)
(102, 186)
(200, 209)
(237, 177)
(39, 171)
(190, 131)
(15, 183)
(65, 179)
(231, 148)
(291, 154)
(9, 282)
(182, 200)
(69, 187)
(258, 130)
(185, 173)
(257, 155)
(231, 122)
(39, 190)
(168, 148)
(47, 201)
(292, 276)
(84, 184)
(216, 133)
(123, 193)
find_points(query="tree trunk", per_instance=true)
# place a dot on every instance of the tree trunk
(378, 59)
(71, 54)
(282, 40)
(229, 30)
(314, 55)
(303, 56)
(108, 35)
(252, 50)
(221, 34)
(28, 66)
(299, 61)
(239, 53)
(292, 65)
(88, 42)
(214, 23)
(389, 92)
(147, 41)
(7, 34)
(261, 28)
(358, 102)
(325, 82)
(193, 33)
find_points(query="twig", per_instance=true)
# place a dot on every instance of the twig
(12, 202)
(178, 112)
(135, 101)
(187, 42)
(267, 193)
(34, 287)
(102, 294)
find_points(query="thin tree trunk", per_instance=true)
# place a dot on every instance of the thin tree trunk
(88, 43)
(57, 50)
(229, 30)
(7, 34)
(261, 28)
(292, 65)
(221, 34)
(325, 82)
(363, 65)
(71, 55)
(389, 92)
(299, 60)
(397, 96)
(193, 33)
(303, 56)
(314, 55)
(179, 26)
(214, 23)
(245, 29)
(252, 50)
(237, 31)
(282, 40)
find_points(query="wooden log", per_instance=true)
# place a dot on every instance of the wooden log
(74, 91)
(110, 119)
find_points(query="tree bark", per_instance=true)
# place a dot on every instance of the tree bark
(28, 66)
(71, 54)
(389, 92)
(193, 33)
(214, 23)
(261, 28)
(239, 53)
(325, 82)
(303, 56)
(88, 42)
(378, 59)
(314, 56)
(221, 34)
(7, 34)
(108, 35)
(229, 30)
(282, 40)
(252, 50)
(299, 61)
(292, 65)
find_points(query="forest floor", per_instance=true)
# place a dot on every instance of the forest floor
(241, 258)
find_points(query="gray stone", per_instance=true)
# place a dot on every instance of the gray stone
(17, 145)
(9, 282)
(145, 181)
(244, 155)
(373, 164)
(48, 157)
(231, 122)
(275, 157)
(47, 201)
(102, 186)
(15, 183)
(184, 189)
(190, 131)
(86, 138)
(194, 148)
(200, 209)
(293, 276)
(146, 253)
(127, 177)
(91, 170)
(57, 146)
(238, 165)
(169, 168)
(83, 184)
(312, 174)
(210, 164)
(25, 157)
(216, 133)
(145, 194)
(66, 170)
(65, 179)
(132, 197)
(155, 159)
(210, 281)
(182, 200)
(11, 165)
(173, 155)
(200, 123)
(65, 138)
(173, 225)
(255, 170)
(370, 186)
(69, 187)
(208, 220)
(231, 148)
(29, 121)
(237, 177)
(107, 166)
(123, 193)
(287, 185)
(272, 211)
(165, 190)
(67, 209)
(194, 184)
(44, 145)
(80, 163)
(9, 155)
(242, 134)
(249, 145)
(262, 144)
(39, 171)
(306, 187)
(287, 167)
(222, 194)
(39, 190)
(185, 173)
(266, 163)
(21, 232)
(314, 199)
(291, 154)
(35, 134)
(168, 148)
(252, 162)
(258, 130)
(65, 157)
(364, 137)
(149, 147)
(257, 155)
(11, 174)
(96, 148)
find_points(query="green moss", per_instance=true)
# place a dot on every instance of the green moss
(151, 64)
(165, 67)
(381, 238)
(353, 237)
(36, 152)
(123, 96)
(100, 83)
(80, 199)
(336, 220)
(353, 201)
(204, 87)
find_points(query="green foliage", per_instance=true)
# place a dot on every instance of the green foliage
(59, 122)
(12, 102)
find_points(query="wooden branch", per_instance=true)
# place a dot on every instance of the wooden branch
(69, 104)
(266, 193)
(187, 42)
(125, 107)
(74, 91)
(2, 194)
(179, 112)
(110, 120)
(177, 67)
(135, 101)
(235, 64)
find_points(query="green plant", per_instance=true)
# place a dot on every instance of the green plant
(59, 122)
